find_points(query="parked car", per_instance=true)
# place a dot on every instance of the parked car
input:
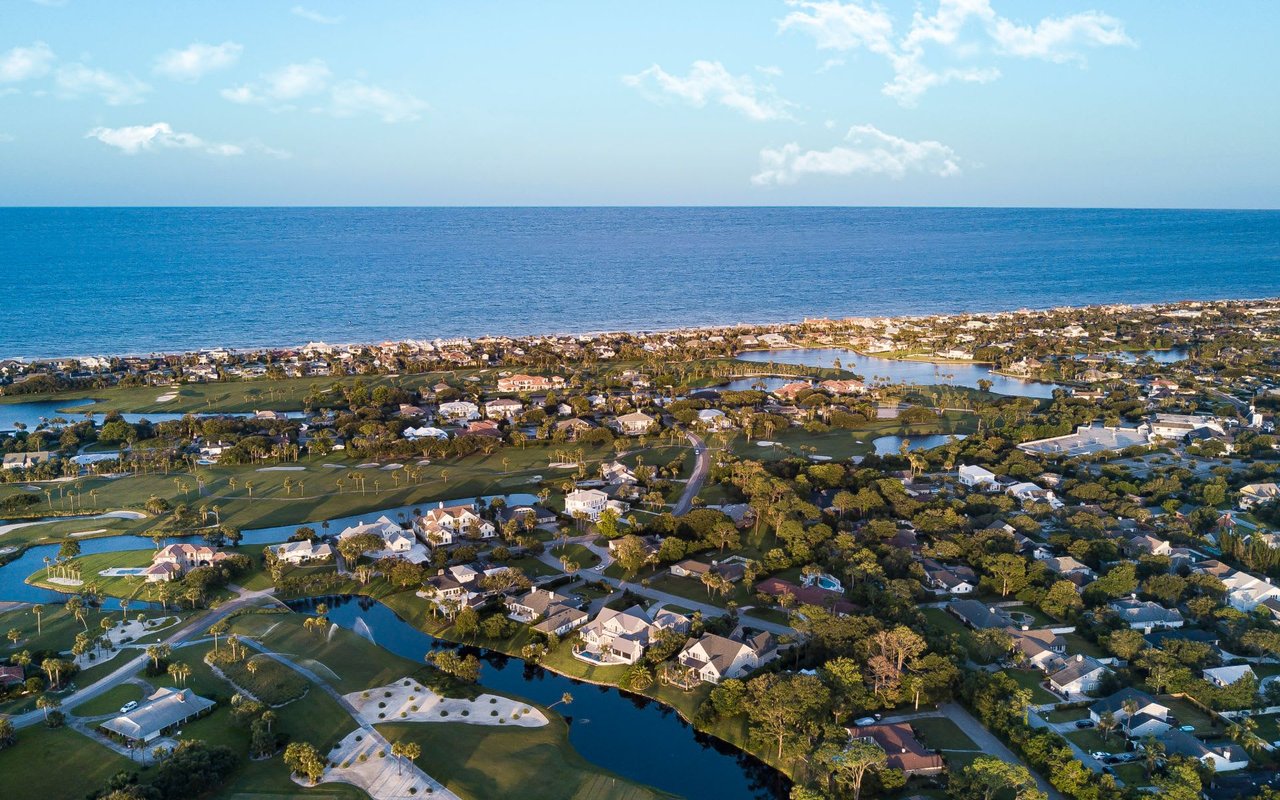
(129, 706)
(1187, 728)
(1084, 723)
(864, 721)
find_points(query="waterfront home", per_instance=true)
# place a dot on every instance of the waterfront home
(976, 477)
(838, 387)
(1146, 616)
(444, 590)
(789, 391)
(503, 408)
(635, 424)
(714, 658)
(443, 525)
(529, 383)
(534, 604)
(398, 541)
(176, 560)
(1225, 676)
(459, 411)
(483, 427)
(902, 749)
(1148, 718)
(620, 637)
(1078, 676)
(713, 419)
(1219, 757)
(303, 552)
(164, 710)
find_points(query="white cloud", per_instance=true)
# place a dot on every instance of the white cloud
(5, 138)
(116, 90)
(352, 98)
(314, 16)
(709, 81)
(962, 30)
(829, 64)
(22, 63)
(197, 60)
(289, 83)
(133, 139)
(772, 70)
(866, 151)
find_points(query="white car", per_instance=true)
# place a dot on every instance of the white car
(129, 706)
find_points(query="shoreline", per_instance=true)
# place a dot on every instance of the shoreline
(656, 330)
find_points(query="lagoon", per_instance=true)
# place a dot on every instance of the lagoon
(922, 373)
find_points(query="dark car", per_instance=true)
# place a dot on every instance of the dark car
(1084, 723)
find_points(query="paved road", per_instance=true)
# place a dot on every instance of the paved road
(983, 738)
(1036, 721)
(701, 467)
(120, 674)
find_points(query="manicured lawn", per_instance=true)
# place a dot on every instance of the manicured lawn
(47, 764)
(841, 444)
(491, 761)
(693, 589)
(767, 614)
(110, 701)
(1188, 714)
(1031, 679)
(941, 733)
(949, 625)
(89, 566)
(584, 558)
(263, 677)
(48, 532)
(1091, 741)
(1078, 644)
(1067, 714)
(1132, 774)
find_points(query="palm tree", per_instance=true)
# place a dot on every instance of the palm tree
(215, 630)
(565, 698)
(1152, 751)
(38, 609)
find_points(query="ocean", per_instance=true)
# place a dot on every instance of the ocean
(112, 281)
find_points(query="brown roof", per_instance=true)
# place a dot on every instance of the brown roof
(901, 746)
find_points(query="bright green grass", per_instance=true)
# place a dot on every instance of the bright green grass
(1031, 679)
(47, 764)
(89, 566)
(584, 558)
(841, 444)
(1091, 741)
(110, 701)
(491, 761)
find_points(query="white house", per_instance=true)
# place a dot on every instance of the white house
(1146, 616)
(503, 408)
(399, 542)
(620, 637)
(1256, 494)
(713, 419)
(425, 432)
(1225, 676)
(590, 502)
(460, 410)
(444, 525)
(635, 423)
(976, 477)
(1027, 492)
(1079, 676)
(303, 552)
(715, 658)
(1221, 757)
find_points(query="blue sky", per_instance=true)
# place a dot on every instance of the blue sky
(759, 102)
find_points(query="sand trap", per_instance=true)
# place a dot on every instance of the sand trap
(89, 533)
(67, 581)
(424, 462)
(763, 443)
(165, 398)
(393, 467)
(370, 465)
(334, 466)
(392, 703)
(363, 758)
(282, 469)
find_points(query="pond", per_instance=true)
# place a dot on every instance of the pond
(1170, 356)
(922, 373)
(36, 412)
(892, 445)
(633, 736)
(13, 585)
